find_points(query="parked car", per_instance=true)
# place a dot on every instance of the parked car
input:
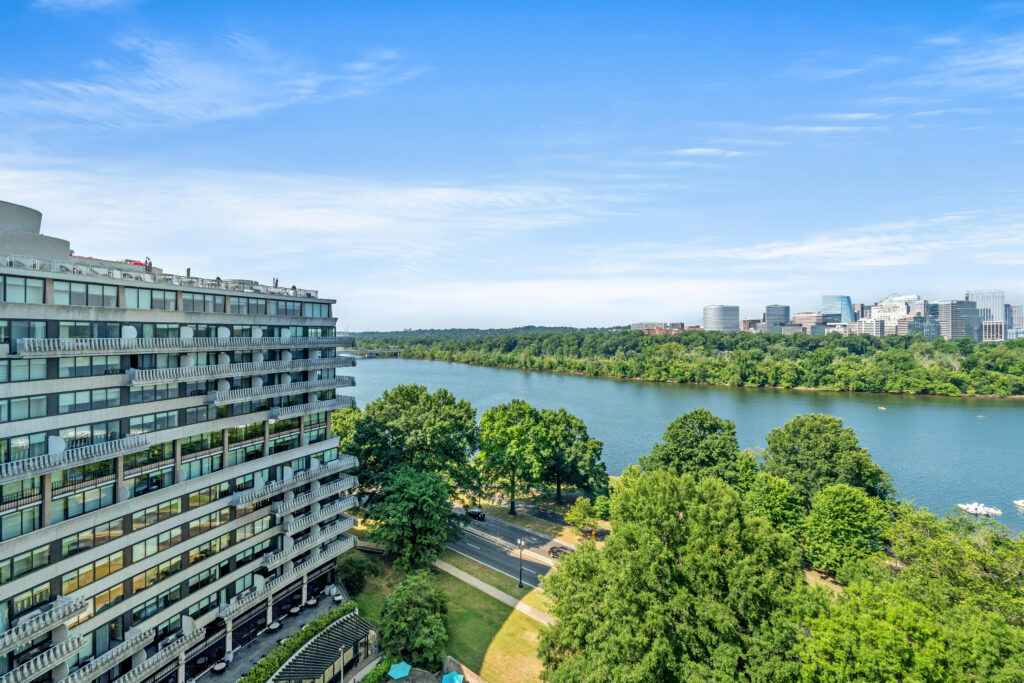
(477, 514)
(557, 551)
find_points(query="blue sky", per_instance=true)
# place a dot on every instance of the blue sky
(493, 164)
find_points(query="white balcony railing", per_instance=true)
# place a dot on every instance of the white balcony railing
(54, 347)
(274, 560)
(312, 407)
(144, 671)
(220, 398)
(243, 498)
(326, 512)
(135, 640)
(298, 502)
(47, 661)
(73, 457)
(26, 630)
(198, 373)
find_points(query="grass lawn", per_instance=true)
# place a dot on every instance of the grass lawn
(371, 598)
(531, 596)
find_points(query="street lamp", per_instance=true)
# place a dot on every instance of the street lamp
(522, 544)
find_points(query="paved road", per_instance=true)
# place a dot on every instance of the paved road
(511, 533)
(502, 559)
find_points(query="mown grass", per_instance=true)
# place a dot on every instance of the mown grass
(531, 596)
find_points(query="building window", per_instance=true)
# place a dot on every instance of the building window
(317, 310)
(201, 466)
(155, 513)
(81, 294)
(153, 392)
(154, 605)
(94, 571)
(202, 303)
(91, 538)
(23, 408)
(252, 529)
(208, 549)
(22, 370)
(86, 366)
(208, 495)
(292, 308)
(156, 574)
(80, 503)
(153, 545)
(31, 599)
(208, 522)
(79, 401)
(22, 290)
(143, 424)
(14, 524)
(150, 299)
(150, 481)
(23, 563)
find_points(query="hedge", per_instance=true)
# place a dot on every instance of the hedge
(275, 659)
(378, 672)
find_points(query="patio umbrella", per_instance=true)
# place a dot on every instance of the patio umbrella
(400, 670)
(453, 677)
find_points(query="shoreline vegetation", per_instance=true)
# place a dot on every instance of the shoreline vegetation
(895, 365)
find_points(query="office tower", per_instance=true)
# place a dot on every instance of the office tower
(776, 315)
(720, 318)
(170, 482)
(919, 324)
(993, 330)
(896, 307)
(837, 308)
(959, 320)
(991, 305)
(860, 311)
(749, 325)
(872, 326)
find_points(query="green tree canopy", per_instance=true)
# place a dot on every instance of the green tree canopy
(568, 456)
(343, 426)
(815, 451)
(844, 524)
(581, 514)
(412, 518)
(775, 499)
(412, 622)
(687, 587)
(510, 442)
(703, 445)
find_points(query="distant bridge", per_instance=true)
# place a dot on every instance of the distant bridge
(374, 353)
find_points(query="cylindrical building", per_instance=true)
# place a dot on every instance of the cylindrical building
(718, 318)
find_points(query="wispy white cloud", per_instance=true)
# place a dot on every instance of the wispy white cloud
(167, 82)
(995, 65)
(708, 152)
(943, 40)
(79, 5)
(821, 129)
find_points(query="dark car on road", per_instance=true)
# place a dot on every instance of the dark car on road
(477, 514)
(557, 551)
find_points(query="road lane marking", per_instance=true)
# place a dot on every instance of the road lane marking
(491, 566)
(529, 570)
(472, 546)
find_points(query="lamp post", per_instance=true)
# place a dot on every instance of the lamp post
(522, 544)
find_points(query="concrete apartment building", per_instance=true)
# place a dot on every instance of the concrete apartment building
(170, 484)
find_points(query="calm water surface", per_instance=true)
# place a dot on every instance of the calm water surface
(940, 451)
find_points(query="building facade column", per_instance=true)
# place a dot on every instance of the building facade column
(46, 498)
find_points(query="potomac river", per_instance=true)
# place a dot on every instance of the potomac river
(940, 451)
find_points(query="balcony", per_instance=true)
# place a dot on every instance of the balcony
(73, 457)
(277, 559)
(240, 603)
(26, 630)
(251, 496)
(47, 661)
(301, 501)
(306, 521)
(221, 398)
(57, 348)
(312, 407)
(144, 671)
(135, 640)
(198, 373)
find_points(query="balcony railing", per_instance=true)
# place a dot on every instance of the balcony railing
(242, 602)
(251, 496)
(301, 501)
(144, 670)
(47, 661)
(134, 641)
(62, 609)
(312, 407)
(198, 373)
(16, 470)
(55, 347)
(220, 398)
(277, 559)
(327, 511)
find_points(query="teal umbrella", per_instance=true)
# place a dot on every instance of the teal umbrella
(400, 670)
(453, 677)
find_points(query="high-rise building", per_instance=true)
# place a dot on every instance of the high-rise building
(919, 324)
(896, 307)
(1014, 317)
(837, 308)
(776, 315)
(959, 320)
(993, 330)
(749, 324)
(860, 311)
(720, 318)
(991, 304)
(170, 482)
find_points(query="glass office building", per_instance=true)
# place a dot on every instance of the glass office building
(837, 308)
(719, 318)
(170, 483)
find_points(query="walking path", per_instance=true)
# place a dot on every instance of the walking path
(502, 596)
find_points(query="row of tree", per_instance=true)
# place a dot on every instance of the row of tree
(702, 577)
(895, 364)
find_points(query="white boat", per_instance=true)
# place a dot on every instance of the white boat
(1019, 503)
(978, 509)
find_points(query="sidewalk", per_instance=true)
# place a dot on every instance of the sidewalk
(518, 605)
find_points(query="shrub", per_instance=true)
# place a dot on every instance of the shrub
(378, 672)
(603, 507)
(353, 571)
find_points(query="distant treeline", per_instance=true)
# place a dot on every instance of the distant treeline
(369, 340)
(893, 364)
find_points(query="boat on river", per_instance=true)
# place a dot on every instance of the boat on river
(979, 510)
(1019, 503)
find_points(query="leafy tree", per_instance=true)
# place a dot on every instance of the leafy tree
(581, 514)
(353, 570)
(815, 451)
(510, 438)
(413, 518)
(687, 587)
(843, 524)
(343, 425)
(409, 426)
(412, 622)
(775, 499)
(568, 455)
(703, 445)
(602, 507)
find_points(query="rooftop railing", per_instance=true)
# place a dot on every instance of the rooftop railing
(306, 521)
(312, 407)
(54, 347)
(47, 661)
(16, 470)
(220, 398)
(196, 373)
(243, 498)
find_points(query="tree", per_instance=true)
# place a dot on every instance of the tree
(412, 622)
(353, 570)
(703, 445)
(775, 499)
(413, 518)
(409, 426)
(343, 426)
(568, 455)
(510, 437)
(602, 507)
(815, 451)
(581, 514)
(687, 587)
(844, 524)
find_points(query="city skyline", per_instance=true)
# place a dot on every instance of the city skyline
(605, 168)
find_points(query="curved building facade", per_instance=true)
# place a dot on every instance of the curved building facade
(719, 318)
(837, 308)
